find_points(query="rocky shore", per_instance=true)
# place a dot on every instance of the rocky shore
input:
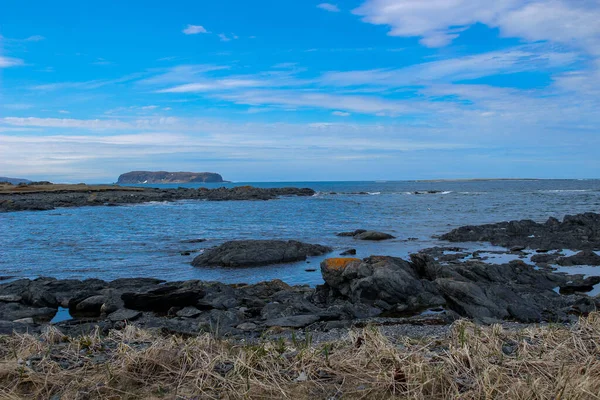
(49, 196)
(434, 287)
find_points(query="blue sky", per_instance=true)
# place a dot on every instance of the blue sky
(288, 90)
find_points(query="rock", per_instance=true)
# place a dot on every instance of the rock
(219, 322)
(577, 232)
(545, 258)
(193, 241)
(362, 234)
(91, 305)
(582, 285)
(373, 235)
(244, 253)
(349, 252)
(296, 321)
(353, 233)
(517, 248)
(124, 315)
(162, 299)
(586, 257)
(28, 320)
(10, 298)
(16, 311)
(48, 198)
(247, 326)
(188, 312)
(472, 289)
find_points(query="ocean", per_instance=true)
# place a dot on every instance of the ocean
(149, 239)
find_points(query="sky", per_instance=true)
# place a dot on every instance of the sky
(300, 90)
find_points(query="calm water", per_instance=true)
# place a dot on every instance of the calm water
(146, 239)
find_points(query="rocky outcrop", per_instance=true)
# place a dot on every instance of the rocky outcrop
(363, 234)
(141, 177)
(484, 292)
(586, 257)
(356, 291)
(575, 232)
(49, 198)
(244, 253)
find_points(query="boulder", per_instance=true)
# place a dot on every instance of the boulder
(124, 315)
(349, 252)
(586, 257)
(373, 235)
(162, 299)
(243, 253)
(363, 234)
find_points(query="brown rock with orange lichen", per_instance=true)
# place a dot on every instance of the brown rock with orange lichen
(378, 278)
(339, 263)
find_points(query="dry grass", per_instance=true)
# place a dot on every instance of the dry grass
(554, 362)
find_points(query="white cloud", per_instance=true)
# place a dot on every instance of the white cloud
(17, 106)
(438, 22)
(194, 30)
(6, 62)
(220, 84)
(63, 112)
(225, 38)
(524, 58)
(329, 7)
(306, 99)
(341, 114)
(35, 38)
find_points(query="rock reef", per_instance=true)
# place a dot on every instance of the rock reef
(245, 253)
(575, 232)
(48, 197)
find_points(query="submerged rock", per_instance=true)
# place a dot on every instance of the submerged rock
(243, 253)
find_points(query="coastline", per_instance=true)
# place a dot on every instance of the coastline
(51, 196)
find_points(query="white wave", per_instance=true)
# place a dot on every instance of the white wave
(374, 193)
(566, 190)
(446, 192)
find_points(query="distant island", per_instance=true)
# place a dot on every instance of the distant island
(140, 177)
(14, 181)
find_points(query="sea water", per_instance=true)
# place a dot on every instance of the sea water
(149, 239)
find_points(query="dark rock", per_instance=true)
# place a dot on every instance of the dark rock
(188, 312)
(90, 305)
(353, 233)
(362, 234)
(349, 252)
(243, 253)
(545, 258)
(162, 299)
(16, 311)
(580, 232)
(116, 195)
(586, 257)
(517, 248)
(124, 315)
(193, 241)
(373, 235)
(582, 285)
